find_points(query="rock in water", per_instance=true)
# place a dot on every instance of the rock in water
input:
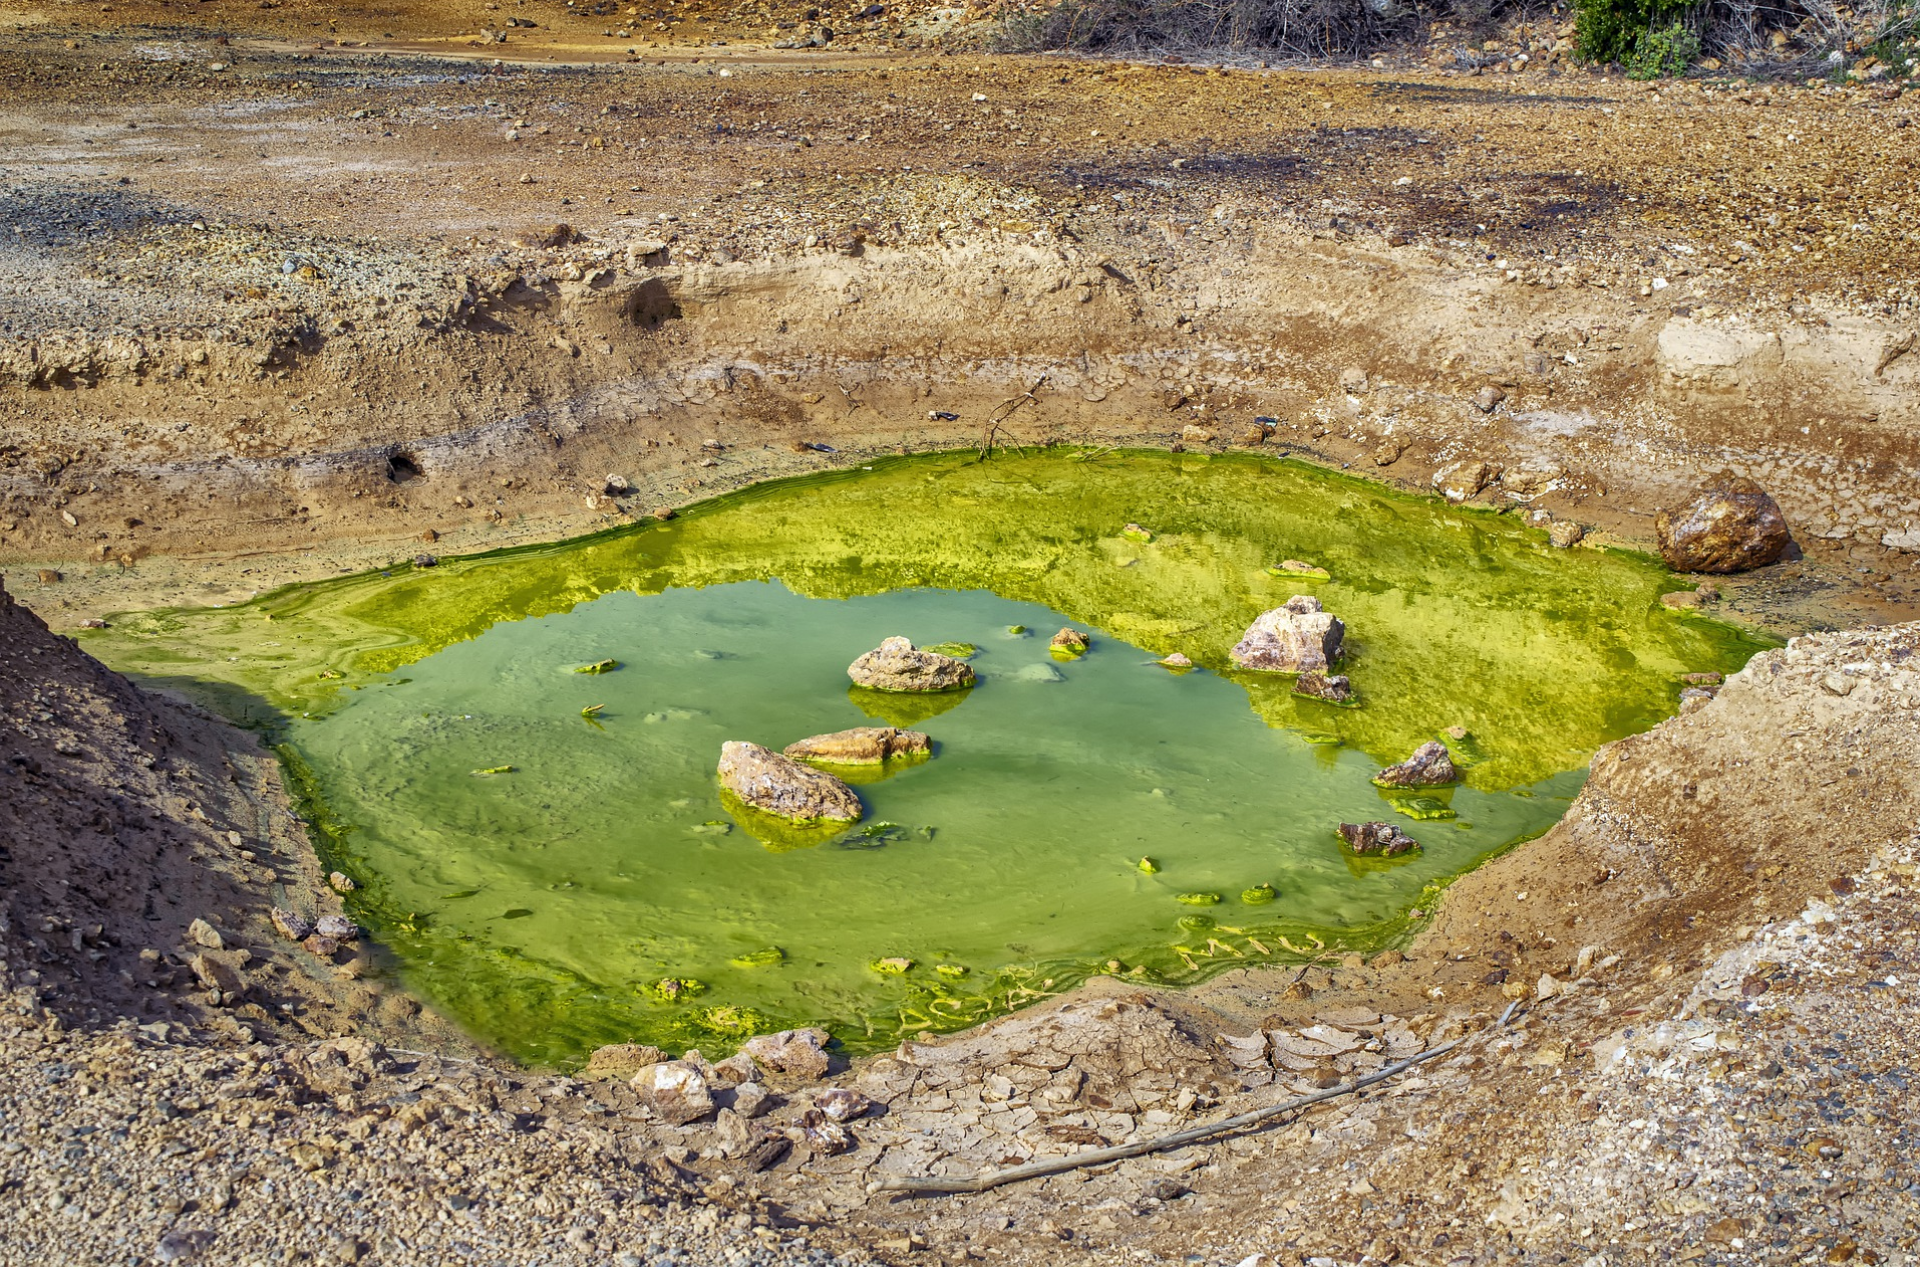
(1430, 765)
(1322, 686)
(1727, 526)
(858, 747)
(898, 666)
(787, 789)
(1070, 640)
(674, 1090)
(1292, 639)
(800, 1052)
(1376, 838)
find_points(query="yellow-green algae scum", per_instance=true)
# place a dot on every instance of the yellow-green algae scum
(1454, 617)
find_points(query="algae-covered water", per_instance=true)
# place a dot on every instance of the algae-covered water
(554, 880)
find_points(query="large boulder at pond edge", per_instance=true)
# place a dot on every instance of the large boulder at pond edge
(861, 747)
(1727, 526)
(776, 784)
(1430, 765)
(1294, 638)
(898, 666)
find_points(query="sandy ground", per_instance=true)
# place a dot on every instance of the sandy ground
(338, 300)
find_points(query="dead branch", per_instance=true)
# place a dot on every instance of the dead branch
(1004, 411)
(1172, 1140)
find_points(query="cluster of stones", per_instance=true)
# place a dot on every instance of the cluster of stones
(735, 1095)
(786, 785)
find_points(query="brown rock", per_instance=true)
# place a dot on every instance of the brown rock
(1294, 638)
(898, 666)
(675, 1091)
(215, 974)
(1463, 479)
(793, 791)
(1389, 452)
(1322, 686)
(1430, 765)
(1728, 526)
(294, 927)
(840, 1104)
(1376, 838)
(1067, 639)
(1564, 533)
(624, 1058)
(800, 1052)
(856, 747)
(337, 926)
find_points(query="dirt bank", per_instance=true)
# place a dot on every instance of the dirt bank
(353, 304)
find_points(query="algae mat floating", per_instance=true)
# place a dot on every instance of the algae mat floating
(555, 879)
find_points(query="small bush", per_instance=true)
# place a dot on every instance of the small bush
(1664, 53)
(1617, 30)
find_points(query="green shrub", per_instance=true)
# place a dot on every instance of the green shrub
(1663, 53)
(1635, 33)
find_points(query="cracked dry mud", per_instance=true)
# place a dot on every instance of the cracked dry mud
(301, 314)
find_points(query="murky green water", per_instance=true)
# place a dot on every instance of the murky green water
(555, 906)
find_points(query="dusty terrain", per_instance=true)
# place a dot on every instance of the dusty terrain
(280, 299)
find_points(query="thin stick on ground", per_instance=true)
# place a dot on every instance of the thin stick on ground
(1005, 410)
(1172, 1140)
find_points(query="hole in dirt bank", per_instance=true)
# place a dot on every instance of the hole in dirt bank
(651, 305)
(404, 468)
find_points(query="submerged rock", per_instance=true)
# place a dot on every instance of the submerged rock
(1299, 568)
(799, 1052)
(1322, 686)
(1430, 765)
(860, 746)
(1292, 639)
(1376, 838)
(675, 1091)
(783, 787)
(1039, 672)
(897, 666)
(1727, 526)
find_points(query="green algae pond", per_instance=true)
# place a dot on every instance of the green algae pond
(554, 877)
